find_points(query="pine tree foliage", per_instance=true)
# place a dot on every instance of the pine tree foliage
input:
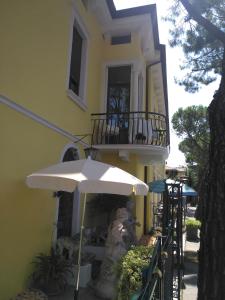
(191, 124)
(203, 52)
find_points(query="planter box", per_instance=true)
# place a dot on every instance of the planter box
(192, 233)
(85, 275)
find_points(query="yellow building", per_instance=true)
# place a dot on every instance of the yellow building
(73, 73)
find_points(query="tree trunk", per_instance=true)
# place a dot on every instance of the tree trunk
(202, 189)
(211, 277)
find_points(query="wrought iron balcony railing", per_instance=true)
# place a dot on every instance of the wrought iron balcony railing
(146, 128)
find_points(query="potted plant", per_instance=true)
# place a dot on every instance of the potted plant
(68, 248)
(85, 269)
(192, 227)
(50, 272)
(130, 269)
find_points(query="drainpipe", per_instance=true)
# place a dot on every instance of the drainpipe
(163, 63)
(146, 117)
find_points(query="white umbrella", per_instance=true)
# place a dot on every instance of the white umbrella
(89, 176)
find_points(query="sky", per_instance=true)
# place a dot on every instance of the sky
(176, 94)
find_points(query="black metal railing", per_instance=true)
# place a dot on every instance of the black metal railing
(158, 280)
(151, 280)
(164, 278)
(146, 128)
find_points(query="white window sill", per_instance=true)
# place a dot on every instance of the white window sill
(78, 100)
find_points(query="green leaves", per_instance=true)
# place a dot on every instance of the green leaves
(51, 268)
(193, 223)
(191, 122)
(130, 270)
(192, 125)
(203, 50)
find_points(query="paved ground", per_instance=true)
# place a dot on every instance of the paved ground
(190, 271)
(191, 265)
(84, 294)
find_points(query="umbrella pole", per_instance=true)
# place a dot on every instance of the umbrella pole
(76, 292)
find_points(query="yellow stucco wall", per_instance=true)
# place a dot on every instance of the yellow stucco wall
(149, 200)
(36, 70)
(34, 64)
(124, 51)
(26, 216)
(34, 54)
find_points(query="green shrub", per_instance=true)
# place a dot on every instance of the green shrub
(50, 272)
(192, 226)
(192, 223)
(130, 270)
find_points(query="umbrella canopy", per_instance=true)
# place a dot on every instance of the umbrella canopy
(159, 186)
(89, 176)
(188, 191)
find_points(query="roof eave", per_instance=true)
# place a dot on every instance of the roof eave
(134, 11)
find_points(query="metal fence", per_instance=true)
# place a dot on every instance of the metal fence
(158, 280)
(144, 128)
(163, 279)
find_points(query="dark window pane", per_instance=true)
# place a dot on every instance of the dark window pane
(75, 67)
(117, 40)
(119, 75)
(70, 155)
(65, 212)
(118, 95)
(64, 226)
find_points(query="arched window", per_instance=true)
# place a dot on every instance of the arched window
(66, 202)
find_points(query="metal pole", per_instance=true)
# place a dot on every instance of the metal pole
(76, 292)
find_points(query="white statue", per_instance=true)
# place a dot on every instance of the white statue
(116, 246)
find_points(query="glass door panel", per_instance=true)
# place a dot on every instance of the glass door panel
(118, 102)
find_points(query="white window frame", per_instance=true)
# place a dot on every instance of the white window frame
(80, 99)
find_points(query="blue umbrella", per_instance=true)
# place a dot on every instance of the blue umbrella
(159, 186)
(188, 191)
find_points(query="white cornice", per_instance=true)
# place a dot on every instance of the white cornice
(100, 9)
(140, 24)
(147, 154)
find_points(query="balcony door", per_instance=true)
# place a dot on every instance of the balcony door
(118, 96)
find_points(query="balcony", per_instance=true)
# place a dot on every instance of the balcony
(143, 133)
